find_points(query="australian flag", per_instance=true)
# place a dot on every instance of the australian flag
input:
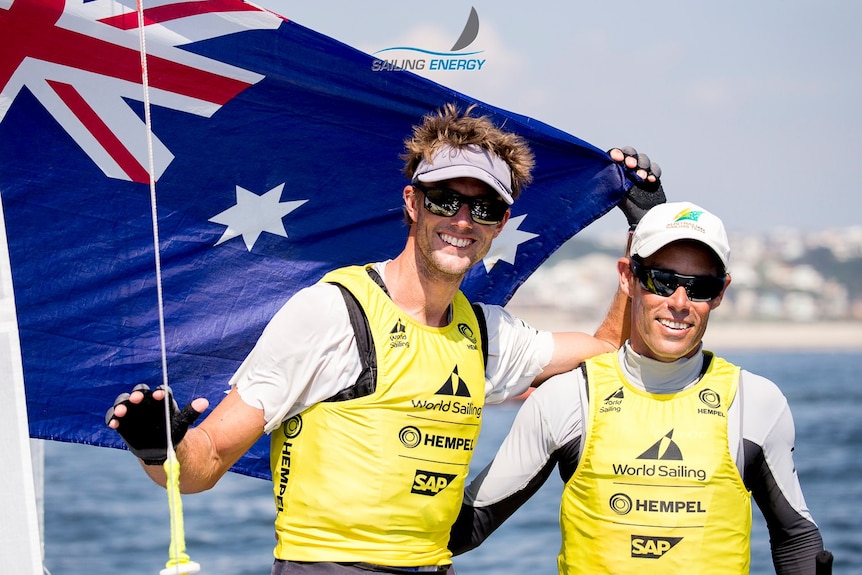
(275, 159)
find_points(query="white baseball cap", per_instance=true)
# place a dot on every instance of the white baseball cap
(675, 221)
(471, 161)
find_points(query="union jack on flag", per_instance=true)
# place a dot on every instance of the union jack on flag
(275, 155)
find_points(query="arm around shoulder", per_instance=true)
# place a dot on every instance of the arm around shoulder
(573, 348)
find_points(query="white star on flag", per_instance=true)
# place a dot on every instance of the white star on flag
(253, 214)
(505, 246)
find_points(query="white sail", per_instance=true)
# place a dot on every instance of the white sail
(20, 539)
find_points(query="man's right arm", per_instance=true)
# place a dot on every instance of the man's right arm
(546, 432)
(520, 467)
(209, 450)
(283, 375)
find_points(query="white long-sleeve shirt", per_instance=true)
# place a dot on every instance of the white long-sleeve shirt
(308, 353)
(548, 431)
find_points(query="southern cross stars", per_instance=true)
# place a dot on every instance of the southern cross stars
(505, 246)
(253, 214)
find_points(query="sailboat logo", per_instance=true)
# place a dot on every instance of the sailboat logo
(663, 449)
(471, 30)
(452, 60)
(454, 385)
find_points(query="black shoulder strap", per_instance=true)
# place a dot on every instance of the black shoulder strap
(372, 273)
(366, 383)
(707, 360)
(583, 367)
(483, 331)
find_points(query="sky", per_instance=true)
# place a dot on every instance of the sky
(750, 107)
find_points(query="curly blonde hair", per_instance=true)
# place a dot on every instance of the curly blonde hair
(449, 127)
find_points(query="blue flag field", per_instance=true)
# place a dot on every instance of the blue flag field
(276, 159)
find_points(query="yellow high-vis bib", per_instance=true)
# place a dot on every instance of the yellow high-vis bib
(656, 490)
(380, 478)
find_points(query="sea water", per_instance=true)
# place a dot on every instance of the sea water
(103, 516)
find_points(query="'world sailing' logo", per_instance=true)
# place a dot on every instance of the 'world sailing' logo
(454, 59)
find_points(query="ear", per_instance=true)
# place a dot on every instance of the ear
(499, 227)
(411, 202)
(627, 278)
(717, 301)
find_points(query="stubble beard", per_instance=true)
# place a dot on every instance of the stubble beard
(438, 265)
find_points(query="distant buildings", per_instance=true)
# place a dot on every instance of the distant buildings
(783, 275)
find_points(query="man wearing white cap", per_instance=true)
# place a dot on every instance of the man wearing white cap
(372, 382)
(661, 445)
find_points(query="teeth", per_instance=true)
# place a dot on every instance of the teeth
(673, 324)
(455, 241)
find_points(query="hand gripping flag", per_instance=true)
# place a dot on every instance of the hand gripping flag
(275, 152)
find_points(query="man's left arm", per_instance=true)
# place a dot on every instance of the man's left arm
(770, 474)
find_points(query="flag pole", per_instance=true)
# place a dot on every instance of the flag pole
(179, 562)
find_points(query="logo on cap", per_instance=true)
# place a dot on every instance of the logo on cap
(688, 214)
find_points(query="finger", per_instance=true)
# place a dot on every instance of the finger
(656, 170)
(643, 162)
(109, 416)
(120, 399)
(200, 404)
(189, 414)
(139, 392)
(118, 410)
(162, 391)
(628, 155)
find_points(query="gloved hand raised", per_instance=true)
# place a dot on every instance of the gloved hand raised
(139, 418)
(646, 190)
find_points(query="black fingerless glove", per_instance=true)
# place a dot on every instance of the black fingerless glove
(643, 194)
(639, 199)
(143, 425)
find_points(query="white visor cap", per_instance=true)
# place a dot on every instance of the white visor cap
(448, 163)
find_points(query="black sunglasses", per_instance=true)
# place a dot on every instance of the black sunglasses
(665, 282)
(446, 202)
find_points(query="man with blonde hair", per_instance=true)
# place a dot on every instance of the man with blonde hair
(372, 381)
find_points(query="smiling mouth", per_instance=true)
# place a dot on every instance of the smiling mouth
(453, 241)
(677, 325)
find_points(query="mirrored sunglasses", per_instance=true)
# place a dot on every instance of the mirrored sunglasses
(446, 202)
(665, 282)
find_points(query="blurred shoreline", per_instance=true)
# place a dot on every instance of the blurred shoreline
(726, 334)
